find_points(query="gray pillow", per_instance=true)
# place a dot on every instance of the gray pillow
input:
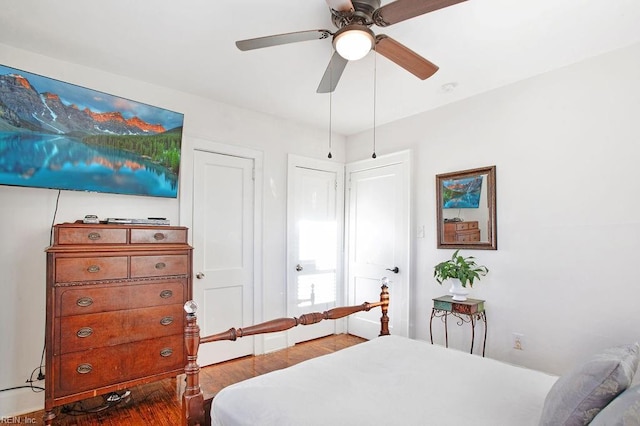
(579, 395)
(622, 411)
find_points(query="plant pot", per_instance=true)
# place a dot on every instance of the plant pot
(458, 292)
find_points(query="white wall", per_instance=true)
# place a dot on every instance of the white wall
(566, 146)
(26, 214)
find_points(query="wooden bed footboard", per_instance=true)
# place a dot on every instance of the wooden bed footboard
(193, 404)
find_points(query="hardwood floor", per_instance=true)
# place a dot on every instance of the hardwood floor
(158, 403)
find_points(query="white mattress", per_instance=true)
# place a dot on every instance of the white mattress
(388, 381)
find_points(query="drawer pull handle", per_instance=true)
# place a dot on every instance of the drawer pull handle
(93, 269)
(84, 332)
(159, 236)
(93, 236)
(166, 352)
(84, 368)
(84, 302)
(166, 294)
(161, 265)
(166, 320)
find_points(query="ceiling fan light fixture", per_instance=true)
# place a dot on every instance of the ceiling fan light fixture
(353, 42)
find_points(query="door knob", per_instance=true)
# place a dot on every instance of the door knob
(395, 270)
(199, 275)
(299, 267)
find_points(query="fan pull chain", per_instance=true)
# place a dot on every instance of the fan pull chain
(330, 103)
(375, 68)
(330, 99)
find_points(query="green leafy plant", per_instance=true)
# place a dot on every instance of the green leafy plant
(463, 268)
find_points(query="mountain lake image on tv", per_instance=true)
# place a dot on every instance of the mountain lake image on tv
(62, 136)
(463, 193)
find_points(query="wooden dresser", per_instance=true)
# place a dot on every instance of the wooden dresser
(457, 232)
(114, 319)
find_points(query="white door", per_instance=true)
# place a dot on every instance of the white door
(223, 237)
(314, 240)
(378, 241)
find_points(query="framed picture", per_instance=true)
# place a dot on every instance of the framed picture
(62, 136)
(466, 209)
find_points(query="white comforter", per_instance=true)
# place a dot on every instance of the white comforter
(388, 381)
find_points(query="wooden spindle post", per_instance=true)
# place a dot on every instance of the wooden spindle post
(192, 398)
(384, 301)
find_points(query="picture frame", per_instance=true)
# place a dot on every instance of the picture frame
(466, 209)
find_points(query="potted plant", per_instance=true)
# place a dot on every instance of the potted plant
(461, 271)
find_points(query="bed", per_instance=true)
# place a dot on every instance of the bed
(394, 380)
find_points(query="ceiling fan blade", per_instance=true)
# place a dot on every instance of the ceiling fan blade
(401, 10)
(405, 57)
(340, 5)
(278, 39)
(332, 74)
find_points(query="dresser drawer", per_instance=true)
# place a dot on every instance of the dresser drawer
(91, 299)
(157, 266)
(91, 236)
(81, 371)
(459, 226)
(81, 332)
(468, 309)
(461, 232)
(469, 235)
(158, 236)
(91, 268)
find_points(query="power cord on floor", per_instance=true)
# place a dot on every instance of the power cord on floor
(30, 381)
(109, 401)
(39, 368)
(32, 387)
(40, 376)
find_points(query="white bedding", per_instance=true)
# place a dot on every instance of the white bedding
(389, 380)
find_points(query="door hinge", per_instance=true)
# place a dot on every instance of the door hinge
(253, 173)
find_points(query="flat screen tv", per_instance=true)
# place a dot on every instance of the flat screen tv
(62, 136)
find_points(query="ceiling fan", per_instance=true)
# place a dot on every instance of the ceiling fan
(354, 38)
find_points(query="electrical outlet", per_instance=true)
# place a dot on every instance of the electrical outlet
(518, 341)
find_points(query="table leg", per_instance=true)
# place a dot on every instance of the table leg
(473, 331)
(433, 312)
(483, 316)
(446, 330)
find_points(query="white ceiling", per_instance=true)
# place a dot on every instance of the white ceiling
(188, 45)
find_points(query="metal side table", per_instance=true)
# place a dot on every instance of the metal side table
(468, 311)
